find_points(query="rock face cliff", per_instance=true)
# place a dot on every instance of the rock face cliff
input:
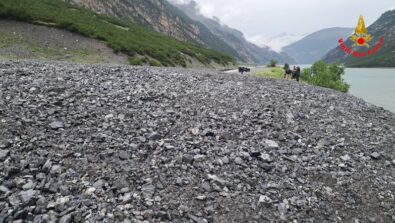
(248, 51)
(156, 14)
(160, 16)
(184, 23)
(385, 57)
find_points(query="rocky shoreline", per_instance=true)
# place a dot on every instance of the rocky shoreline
(102, 143)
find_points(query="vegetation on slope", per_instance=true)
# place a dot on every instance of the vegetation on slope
(159, 16)
(142, 45)
(20, 40)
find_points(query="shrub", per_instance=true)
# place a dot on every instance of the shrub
(286, 66)
(135, 61)
(326, 75)
(272, 63)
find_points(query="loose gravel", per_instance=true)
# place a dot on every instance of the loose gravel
(102, 143)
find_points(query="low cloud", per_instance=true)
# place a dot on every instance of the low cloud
(272, 17)
(275, 43)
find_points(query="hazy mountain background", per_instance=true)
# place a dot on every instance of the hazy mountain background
(276, 42)
(184, 22)
(385, 57)
(314, 46)
(250, 52)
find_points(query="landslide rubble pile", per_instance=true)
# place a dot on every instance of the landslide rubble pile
(99, 143)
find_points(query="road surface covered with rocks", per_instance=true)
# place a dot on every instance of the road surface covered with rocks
(82, 143)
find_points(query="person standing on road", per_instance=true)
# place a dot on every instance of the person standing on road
(297, 74)
(293, 72)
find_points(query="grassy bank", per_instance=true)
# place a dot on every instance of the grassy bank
(320, 74)
(272, 72)
(143, 46)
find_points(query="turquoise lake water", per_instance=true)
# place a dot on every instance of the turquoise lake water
(374, 85)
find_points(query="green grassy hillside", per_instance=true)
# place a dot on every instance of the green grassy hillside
(143, 46)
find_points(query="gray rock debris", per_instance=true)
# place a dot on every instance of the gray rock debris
(143, 144)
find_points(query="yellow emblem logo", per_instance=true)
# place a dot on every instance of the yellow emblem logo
(361, 36)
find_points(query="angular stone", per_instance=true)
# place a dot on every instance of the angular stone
(98, 184)
(179, 181)
(3, 154)
(201, 198)
(225, 160)
(345, 157)
(187, 158)
(47, 166)
(148, 214)
(28, 197)
(4, 143)
(271, 144)
(22, 214)
(375, 155)
(124, 155)
(56, 169)
(148, 191)
(56, 125)
(238, 160)
(154, 136)
(61, 203)
(206, 186)
(217, 180)
(282, 208)
(197, 219)
(265, 158)
(66, 218)
(90, 191)
(4, 189)
(199, 157)
(266, 166)
(127, 197)
(14, 200)
(29, 185)
(264, 199)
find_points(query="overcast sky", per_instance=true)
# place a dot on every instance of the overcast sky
(268, 18)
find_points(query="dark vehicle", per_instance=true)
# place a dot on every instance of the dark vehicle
(244, 69)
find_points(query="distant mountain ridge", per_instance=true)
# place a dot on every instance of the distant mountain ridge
(313, 47)
(385, 57)
(250, 52)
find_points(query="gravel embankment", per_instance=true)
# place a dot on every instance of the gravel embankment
(125, 144)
